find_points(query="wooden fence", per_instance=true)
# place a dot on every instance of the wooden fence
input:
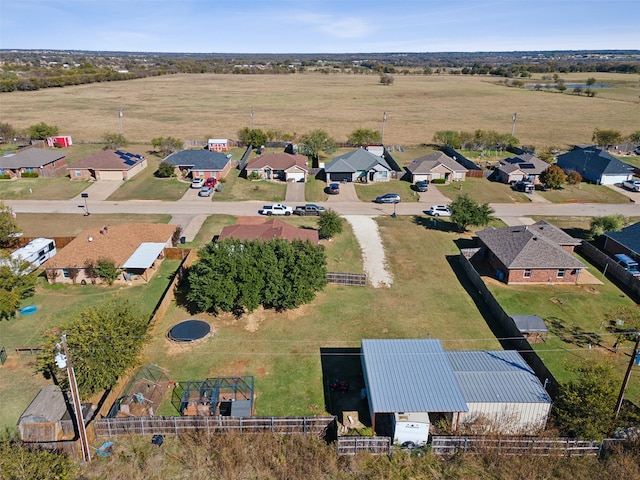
(348, 279)
(354, 445)
(113, 427)
(569, 447)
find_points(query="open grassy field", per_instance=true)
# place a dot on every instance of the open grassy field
(205, 105)
(69, 225)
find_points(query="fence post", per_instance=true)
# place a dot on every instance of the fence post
(175, 426)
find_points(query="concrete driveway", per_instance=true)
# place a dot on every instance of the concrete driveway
(633, 196)
(100, 190)
(295, 193)
(347, 194)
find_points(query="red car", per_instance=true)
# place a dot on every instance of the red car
(210, 182)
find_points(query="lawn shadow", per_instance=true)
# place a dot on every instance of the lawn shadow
(573, 334)
(343, 383)
(433, 223)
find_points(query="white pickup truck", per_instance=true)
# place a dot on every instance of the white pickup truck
(276, 209)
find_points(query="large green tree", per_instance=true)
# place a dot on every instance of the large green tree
(584, 406)
(255, 137)
(238, 276)
(312, 143)
(466, 212)
(8, 226)
(364, 136)
(41, 131)
(16, 283)
(607, 223)
(104, 340)
(329, 224)
(606, 138)
(553, 177)
(114, 140)
(167, 145)
(7, 132)
(21, 462)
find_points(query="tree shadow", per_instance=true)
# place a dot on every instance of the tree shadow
(573, 334)
(435, 223)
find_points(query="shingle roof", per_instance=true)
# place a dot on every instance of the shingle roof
(279, 161)
(524, 247)
(525, 162)
(410, 375)
(108, 160)
(427, 163)
(30, 158)
(248, 229)
(116, 242)
(592, 162)
(355, 161)
(628, 237)
(198, 159)
(496, 376)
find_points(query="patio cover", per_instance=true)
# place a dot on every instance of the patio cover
(145, 255)
(530, 324)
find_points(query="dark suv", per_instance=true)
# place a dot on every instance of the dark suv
(334, 188)
(422, 186)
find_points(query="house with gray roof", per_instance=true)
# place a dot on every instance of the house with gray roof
(538, 253)
(524, 167)
(46, 163)
(625, 241)
(200, 163)
(595, 165)
(359, 166)
(416, 382)
(436, 165)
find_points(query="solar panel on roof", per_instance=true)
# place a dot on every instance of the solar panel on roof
(527, 165)
(130, 162)
(119, 152)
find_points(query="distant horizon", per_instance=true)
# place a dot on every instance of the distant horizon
(321, 27)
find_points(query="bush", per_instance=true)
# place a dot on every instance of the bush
(30, 175)
(574, 178)
(439, 181)
(5, 176)
(330, 224)
(165, 170)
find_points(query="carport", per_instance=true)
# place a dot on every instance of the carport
(143, 259)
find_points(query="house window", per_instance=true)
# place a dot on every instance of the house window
(65, 273)
(560, 273)
(527, 273)
(78, 173)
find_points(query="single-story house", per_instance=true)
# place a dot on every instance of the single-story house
(46, 163)
(436, 165)
(108, 165)
(254, 228)
(358, 165)
(136, 249)
(219, 144)
(524, 167)
(200, 163)
(625, 241)
(48, 419)
(416, 381)
(281, 166)
(538, 253)
(595, 165)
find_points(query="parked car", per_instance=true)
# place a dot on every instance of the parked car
(276, 209)
(334, 188)
(210, 182)
(197, 183)
(633, 185)
(308, 209)
(205, 192)
(422, 186)
(388, 198)
(439, 211)
(526, 187)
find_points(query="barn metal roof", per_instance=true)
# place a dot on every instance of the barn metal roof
(496, 376)
(410, 375)
(145, 255)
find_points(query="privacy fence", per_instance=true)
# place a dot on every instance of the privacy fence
(114, 427)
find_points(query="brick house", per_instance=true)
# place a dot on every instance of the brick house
(436, 165)
(46, 163)
(108, 165)
(524, 167)
(538, 253)
(200, 163)
(280, 166)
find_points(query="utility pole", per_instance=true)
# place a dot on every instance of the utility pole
(625, 382)
(513, 127)
(384, 119)
(64, 360)
(120, 129)
(252, 119)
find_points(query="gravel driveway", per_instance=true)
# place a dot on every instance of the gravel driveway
(375, 264)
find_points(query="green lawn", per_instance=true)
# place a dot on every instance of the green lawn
(584, 193)
(146, 186)
(69, 224)
(59, 188)
(239, 189)
(56, 304)
(314, 191)
(482, 190)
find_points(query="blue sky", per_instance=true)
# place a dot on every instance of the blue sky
(319, 26)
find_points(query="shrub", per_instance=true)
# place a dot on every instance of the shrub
(574, 178)
(439, 181)
(165, 170)
(5, 176)
(30, 175)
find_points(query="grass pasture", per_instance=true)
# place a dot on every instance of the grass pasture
(199, 106)
(69, 225)
(584, 193)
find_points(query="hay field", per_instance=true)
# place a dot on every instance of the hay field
(200, 106)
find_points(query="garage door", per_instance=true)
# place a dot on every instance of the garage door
(339, 177)
(295, 177)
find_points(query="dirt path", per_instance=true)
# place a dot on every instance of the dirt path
(375, 264)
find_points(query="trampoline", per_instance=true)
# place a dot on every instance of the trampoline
(189, 331)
